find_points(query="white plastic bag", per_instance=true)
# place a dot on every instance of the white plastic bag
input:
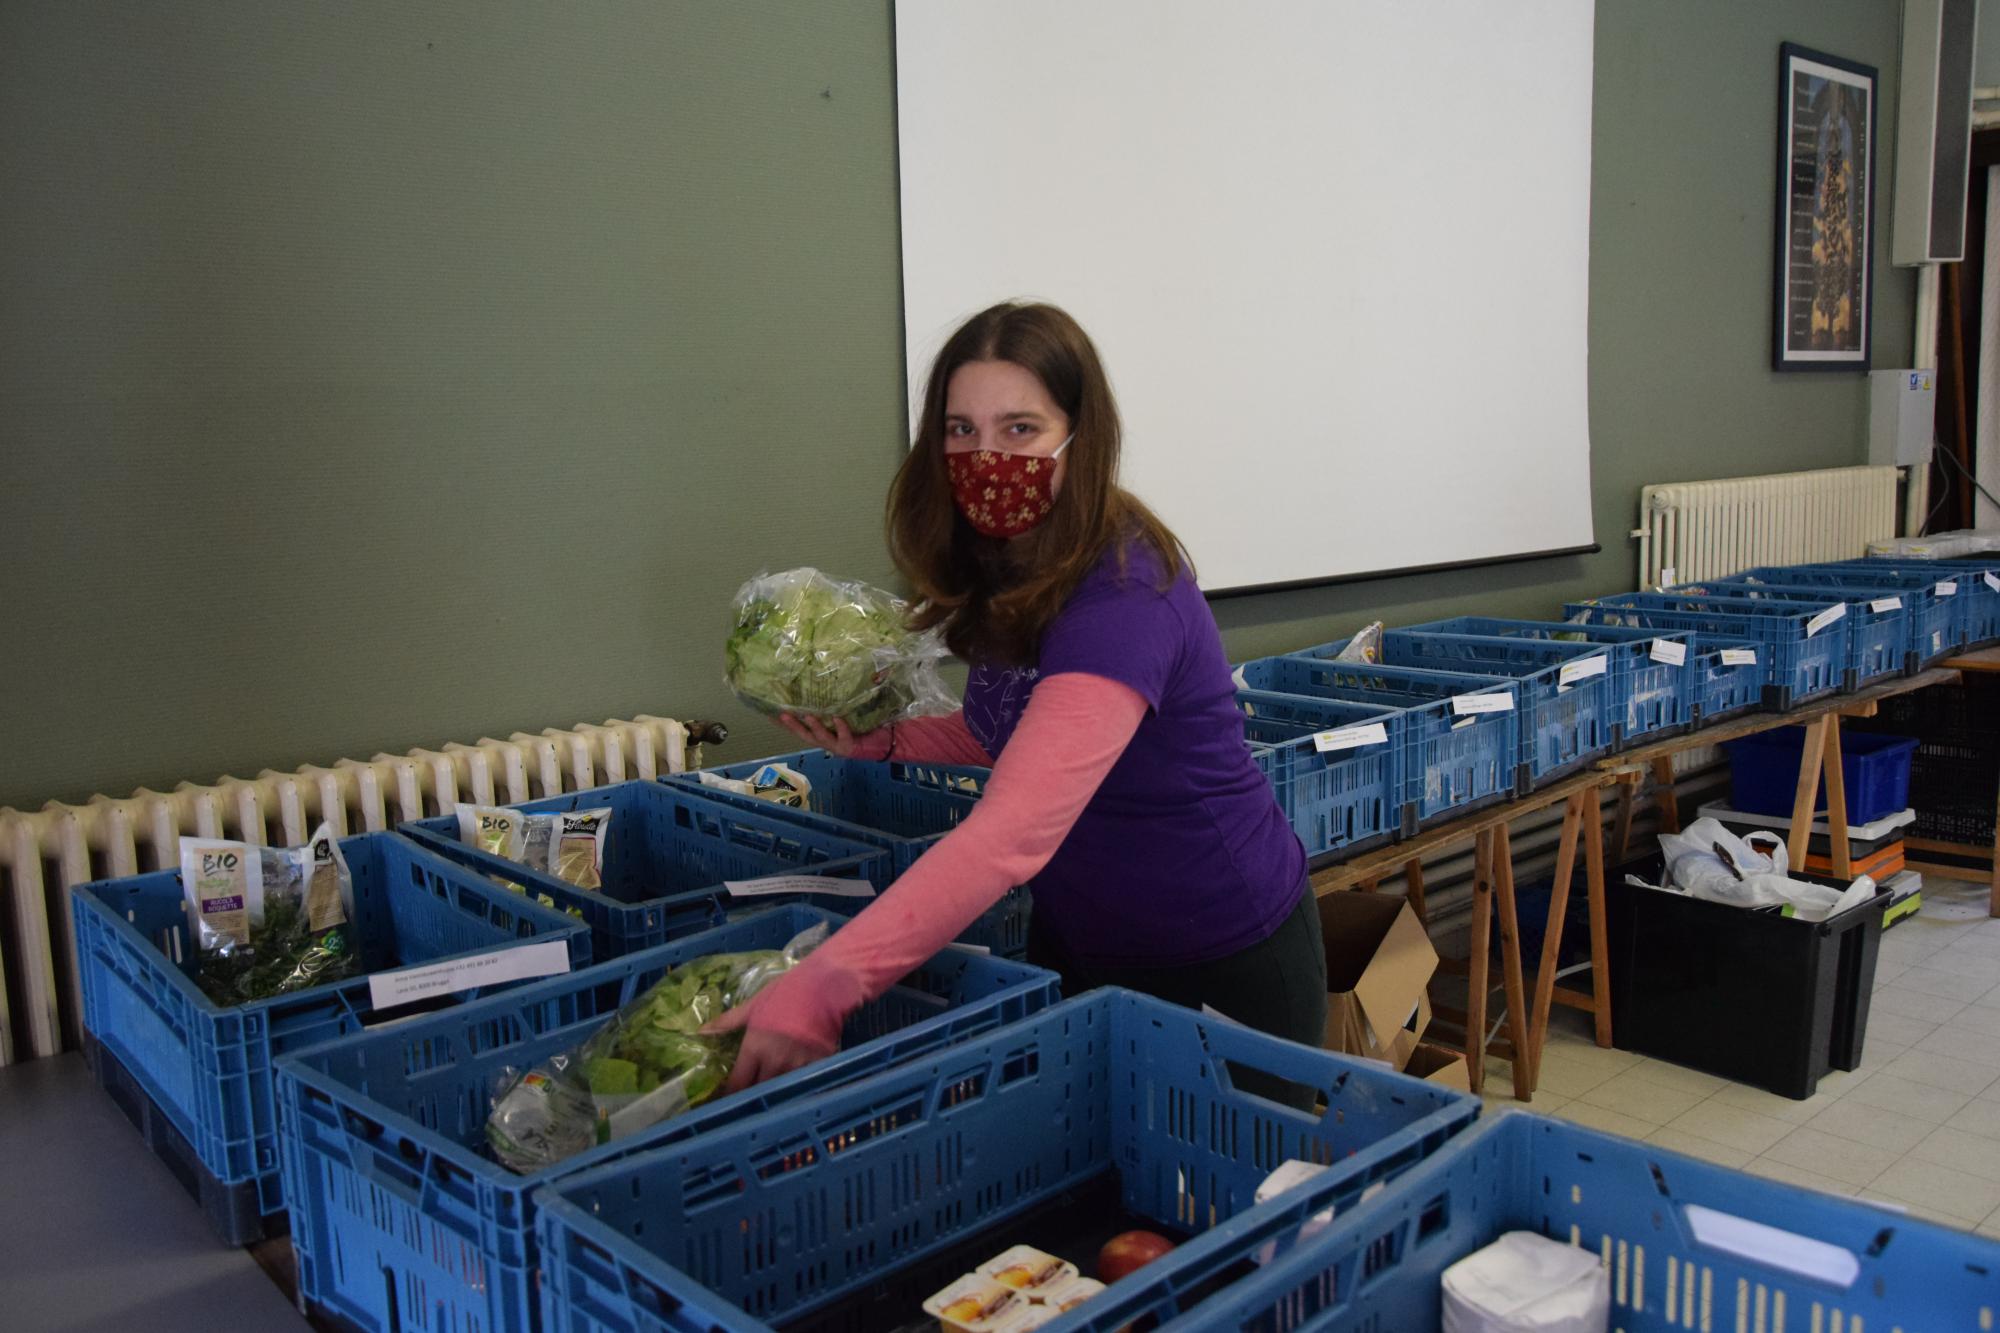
(1527, 1283)
(1713, 864)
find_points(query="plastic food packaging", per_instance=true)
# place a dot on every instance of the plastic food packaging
(647, 1064)
(1525, 1283)
(780, 784)
(1030, 1271)
(1363, 647)
(269, 920)
(976, 1304)
(821, 647)
(569, 845)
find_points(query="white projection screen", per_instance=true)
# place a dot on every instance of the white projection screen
(1335, 254)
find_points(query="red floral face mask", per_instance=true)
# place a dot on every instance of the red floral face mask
(1003, 495)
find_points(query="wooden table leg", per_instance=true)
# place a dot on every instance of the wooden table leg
(1802, 801)
(1600, 936)
(1545, 970)
(1621, 829)
(1475, 994)
(1413, 889)
(1370, 884)
(1836, 800)
(1510, 963)
(1666, 798)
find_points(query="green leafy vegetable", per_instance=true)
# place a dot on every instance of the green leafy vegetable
(805, 643)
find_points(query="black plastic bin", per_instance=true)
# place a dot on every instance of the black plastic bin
(1751, 996)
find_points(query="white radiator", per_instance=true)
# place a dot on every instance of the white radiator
(1696, 530)
(45, 853)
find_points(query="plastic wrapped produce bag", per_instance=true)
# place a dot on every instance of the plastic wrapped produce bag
(648, 1064)
(822, 647)
(269, 920)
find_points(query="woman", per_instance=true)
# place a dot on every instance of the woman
(1122, 790)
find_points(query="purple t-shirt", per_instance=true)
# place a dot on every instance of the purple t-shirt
(1183, 855)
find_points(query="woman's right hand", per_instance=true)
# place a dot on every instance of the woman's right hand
(841, 741)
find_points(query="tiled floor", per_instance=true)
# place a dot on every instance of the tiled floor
(1918, 1125)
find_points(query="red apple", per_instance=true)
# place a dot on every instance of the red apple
(1129, 1251)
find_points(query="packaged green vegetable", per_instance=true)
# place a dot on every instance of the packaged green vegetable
(780, 784)
(828, 648)
(569, 845)
(269, 920)
(648, 1064)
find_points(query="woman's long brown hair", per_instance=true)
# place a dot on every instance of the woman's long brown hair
(993, 597)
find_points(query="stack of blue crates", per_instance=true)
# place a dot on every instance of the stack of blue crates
(1336, 767)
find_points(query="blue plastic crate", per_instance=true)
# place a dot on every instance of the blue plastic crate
(1937, 623)
(1724, 685)
(1881, 633)
(869, 1189)
(666, 856)
(1380, 1266)
(1338, 799)
(1453, 762)
(208, 1067)
(1566, 712)
(1977, 600)
(902, 806)
(1805, 662)
(400, 1218)
(1653, 698)
(1874, 768)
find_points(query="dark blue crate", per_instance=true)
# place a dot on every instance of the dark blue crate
(1652, 698)
(1721, 687)
(1978, 582)
(208, 1067)
(1380, 1266)
(1937, 621)
(1452, 762)
(397, 1209)
(1881, 629)
(1337, 800)
(905, 807)
(1804, 663)
(778, 1217)
(666, 857)
(1563, 726)
(1874, 768)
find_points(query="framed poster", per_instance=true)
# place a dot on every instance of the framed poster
(1826, 213)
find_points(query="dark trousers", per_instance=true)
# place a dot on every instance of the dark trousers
(1277, 985)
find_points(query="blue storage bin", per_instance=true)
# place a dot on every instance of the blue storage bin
(1339, 799)
(868, 1193)
(208, 1067)
(905, 807)
(1652, 698)
(1875, 769)
(1805, 663)
(1723, 685)
(1937, 622)
(1881, 633)
(1380, 1266)
(400, 1218)
(1977, 600)
(1452, 762)
(666, 856)
(1566, 718)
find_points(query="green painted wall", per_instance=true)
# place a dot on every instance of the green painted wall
(387, 374)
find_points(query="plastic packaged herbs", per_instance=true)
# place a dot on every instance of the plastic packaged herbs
(830, 648)
(269, 920)
(569, 845)
(648, 1064)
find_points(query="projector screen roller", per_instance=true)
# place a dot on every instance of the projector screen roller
(1334, 253)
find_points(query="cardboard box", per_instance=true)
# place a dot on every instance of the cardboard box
(1379, 964)
(1439, 1065)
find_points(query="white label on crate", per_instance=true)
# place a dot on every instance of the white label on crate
(1668, 577)
(1495, 701)
(969, 948)
(1825, 618)
(1881, 604)
(769, 884)
(1739, 657)
(547, 958)
(1572, 672)
(1992, 581)
(1350, 738)
(1949, 588)
(1671, 652)
(1237, 677)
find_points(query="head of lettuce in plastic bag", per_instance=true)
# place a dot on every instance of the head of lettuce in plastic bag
(808, 644)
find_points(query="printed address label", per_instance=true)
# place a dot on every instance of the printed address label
(1949, 588)
(1881, 604)
(1351, 738)
(1992, 581)
(1739, 657)
(1825, 618)
(1572, 672)
(548, 958)
(769, 884)
(1499, 701)
(1670, 651)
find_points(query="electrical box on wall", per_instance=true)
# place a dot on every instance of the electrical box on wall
(1902, 416)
